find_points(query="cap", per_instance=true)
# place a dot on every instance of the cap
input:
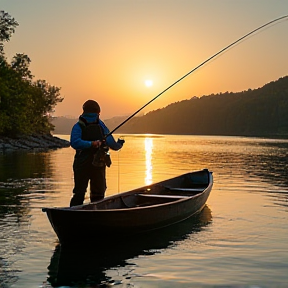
(91, 106)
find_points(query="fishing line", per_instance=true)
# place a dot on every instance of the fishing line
(200, 65)
(119, 171)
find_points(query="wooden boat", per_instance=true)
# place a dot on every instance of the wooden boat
(138, 211)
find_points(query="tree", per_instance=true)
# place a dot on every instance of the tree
(20, 63)
(25, 105)
(7, 28)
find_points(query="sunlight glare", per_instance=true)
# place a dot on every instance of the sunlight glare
(148, 83)
(148, 150)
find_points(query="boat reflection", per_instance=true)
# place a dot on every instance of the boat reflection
(86, 265)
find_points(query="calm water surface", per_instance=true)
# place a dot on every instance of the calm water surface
(239, 240)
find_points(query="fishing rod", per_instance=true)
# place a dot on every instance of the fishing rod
(210, 58)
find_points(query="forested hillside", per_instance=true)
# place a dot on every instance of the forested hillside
(259, 112)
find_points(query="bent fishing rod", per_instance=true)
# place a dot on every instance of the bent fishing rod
(200, 65)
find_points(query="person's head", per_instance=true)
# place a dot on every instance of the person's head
(91, 106)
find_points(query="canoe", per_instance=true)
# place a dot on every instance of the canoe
(134, 212)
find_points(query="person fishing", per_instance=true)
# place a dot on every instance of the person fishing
(91, 139)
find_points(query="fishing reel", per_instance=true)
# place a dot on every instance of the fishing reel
(104, 147)
(102, 156)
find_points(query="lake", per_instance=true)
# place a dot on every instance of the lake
(238, 240)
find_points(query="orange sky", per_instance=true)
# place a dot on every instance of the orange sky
(105, 50)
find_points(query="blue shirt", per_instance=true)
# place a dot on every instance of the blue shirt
(78, 144)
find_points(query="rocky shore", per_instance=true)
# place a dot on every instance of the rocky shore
(33, 142)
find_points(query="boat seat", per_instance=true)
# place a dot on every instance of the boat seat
(164, 196)
(185, 189)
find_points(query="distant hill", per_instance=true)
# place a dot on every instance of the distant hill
(115, 121)
(258, 112)
(63, 125)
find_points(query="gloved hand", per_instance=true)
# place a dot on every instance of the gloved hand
(96, 144)
(121, 141)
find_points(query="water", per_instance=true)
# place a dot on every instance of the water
(239, 240)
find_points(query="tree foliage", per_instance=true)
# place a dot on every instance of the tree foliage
(25, 105)
(7, 28)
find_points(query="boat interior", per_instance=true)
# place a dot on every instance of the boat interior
(155, 194)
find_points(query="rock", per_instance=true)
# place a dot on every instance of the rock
(33, 142)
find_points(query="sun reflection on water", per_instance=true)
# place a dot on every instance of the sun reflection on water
(148, 157)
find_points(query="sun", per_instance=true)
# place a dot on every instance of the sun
(148, 83)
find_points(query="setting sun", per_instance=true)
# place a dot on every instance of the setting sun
(148, 83)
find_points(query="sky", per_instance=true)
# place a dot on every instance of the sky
(123, 53)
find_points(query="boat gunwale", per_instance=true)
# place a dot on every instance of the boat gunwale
(73, 209)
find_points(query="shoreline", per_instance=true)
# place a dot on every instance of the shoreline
(44, 142)
(32, 142)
